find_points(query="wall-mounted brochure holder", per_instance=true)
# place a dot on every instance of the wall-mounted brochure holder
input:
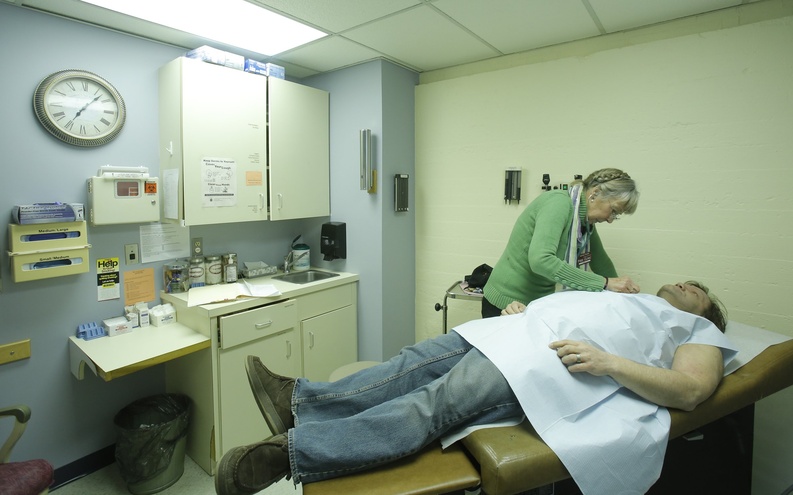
(47, 250)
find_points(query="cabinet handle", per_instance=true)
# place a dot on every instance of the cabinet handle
(280, 201)
(265, 324)
(261, 202)
(288, 349)
(310, 340)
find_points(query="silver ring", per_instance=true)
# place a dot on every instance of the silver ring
(578, 358)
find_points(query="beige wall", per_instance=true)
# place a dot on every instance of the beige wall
(699, 112)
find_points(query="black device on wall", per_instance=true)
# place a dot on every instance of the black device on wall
(401, 192)
(333, 241)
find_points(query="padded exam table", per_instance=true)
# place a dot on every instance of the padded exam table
(513, 459)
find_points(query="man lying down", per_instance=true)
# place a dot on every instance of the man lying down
(588, 370)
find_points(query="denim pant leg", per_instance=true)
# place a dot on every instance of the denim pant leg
(413, 367)
(472, 392)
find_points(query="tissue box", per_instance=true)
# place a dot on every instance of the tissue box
(117, 326)
(48, 213)
(162, 315)
(264, 69)
(218, 57)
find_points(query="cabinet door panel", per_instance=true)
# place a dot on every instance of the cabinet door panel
(240, 420)
(299, 153)
(329, 341)
(224, 141)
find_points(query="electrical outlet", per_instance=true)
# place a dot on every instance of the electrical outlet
(198, 246)
(131, 254)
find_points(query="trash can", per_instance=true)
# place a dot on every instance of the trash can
(150, 445)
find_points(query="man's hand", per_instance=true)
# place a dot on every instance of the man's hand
(696, 371)
(514, 308)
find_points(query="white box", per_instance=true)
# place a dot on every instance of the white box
(115, 200)
(217, 57)
(117, 326)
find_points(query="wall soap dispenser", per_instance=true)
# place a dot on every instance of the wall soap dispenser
(333, 243)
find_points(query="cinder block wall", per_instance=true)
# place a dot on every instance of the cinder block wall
(698, 111)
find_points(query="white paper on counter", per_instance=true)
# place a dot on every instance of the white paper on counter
(209, 294)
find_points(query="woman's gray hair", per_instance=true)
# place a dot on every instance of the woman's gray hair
(615, 184)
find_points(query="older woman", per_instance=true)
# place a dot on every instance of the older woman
(554, 241)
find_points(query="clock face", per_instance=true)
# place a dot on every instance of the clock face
(79, 108)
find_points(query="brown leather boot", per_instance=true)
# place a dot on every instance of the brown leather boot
(273, 394)
(252, 468)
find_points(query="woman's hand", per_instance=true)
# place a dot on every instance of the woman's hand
(623, 284)
(580, 357)
(514, 308)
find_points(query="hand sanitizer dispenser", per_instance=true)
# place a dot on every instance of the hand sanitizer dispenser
(333, 243)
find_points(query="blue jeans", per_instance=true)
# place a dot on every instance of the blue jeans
(394, 409)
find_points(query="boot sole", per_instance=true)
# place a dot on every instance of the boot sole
(263, 400)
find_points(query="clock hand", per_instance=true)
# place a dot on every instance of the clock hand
(86, 106)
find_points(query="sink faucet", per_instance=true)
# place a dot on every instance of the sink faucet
(290, 260)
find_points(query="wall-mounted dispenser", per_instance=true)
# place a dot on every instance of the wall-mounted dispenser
(512, 185)
(401, 197)
(123, 195)
(333, 241)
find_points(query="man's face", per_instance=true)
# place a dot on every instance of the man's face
(685, 297)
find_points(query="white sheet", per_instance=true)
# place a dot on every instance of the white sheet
(593, 425)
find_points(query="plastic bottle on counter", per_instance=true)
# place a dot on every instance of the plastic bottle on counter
(230, 268)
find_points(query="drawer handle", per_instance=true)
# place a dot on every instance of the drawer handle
(310, 340)
(288, 349)
(265, 324)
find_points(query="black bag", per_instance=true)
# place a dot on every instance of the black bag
(478, 278)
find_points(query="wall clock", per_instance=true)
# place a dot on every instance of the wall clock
(79, 107)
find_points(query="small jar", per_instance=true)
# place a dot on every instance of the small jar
(213, 270)
(230, 268)
(197, 272)
(176, 277)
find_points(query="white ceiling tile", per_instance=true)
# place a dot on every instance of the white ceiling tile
(619, 15)
(423, 39)
(329, 54)
(337, 15)
(519, 25)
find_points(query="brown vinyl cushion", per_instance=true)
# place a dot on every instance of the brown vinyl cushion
(429, 472)
(515, 459)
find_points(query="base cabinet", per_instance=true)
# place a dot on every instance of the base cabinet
(309, 335)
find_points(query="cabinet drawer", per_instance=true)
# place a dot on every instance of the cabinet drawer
(317, 303)
(253, 324)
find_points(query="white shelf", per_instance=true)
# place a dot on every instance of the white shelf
(112, 357)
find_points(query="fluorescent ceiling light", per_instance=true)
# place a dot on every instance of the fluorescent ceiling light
(232, 22)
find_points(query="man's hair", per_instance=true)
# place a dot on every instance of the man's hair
(716, 312)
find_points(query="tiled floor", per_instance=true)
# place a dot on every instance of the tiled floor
(194, 481)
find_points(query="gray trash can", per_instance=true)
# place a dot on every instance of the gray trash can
(150, 446)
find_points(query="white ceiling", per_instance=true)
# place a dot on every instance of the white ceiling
(421, 35)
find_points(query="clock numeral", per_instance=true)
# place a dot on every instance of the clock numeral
(85, 85)
(104, 121)
(107, 100)
(71, 86)
(97, 129)
(59, 115)
(69, 125)
(59, 92)
(82, 130)
(110, 112)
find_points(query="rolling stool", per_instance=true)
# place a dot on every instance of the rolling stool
(428, 472)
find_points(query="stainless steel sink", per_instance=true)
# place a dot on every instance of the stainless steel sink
(305, 277)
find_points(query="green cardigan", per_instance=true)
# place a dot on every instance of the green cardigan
(533, 261)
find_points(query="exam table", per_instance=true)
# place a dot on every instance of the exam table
(510, 460)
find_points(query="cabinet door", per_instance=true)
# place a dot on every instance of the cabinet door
(329, 341)
(223, 144)
(299, 153)
(271, 334)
